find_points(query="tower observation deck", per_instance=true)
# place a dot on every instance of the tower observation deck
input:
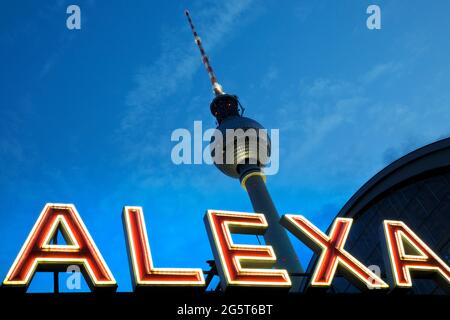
(239, 158)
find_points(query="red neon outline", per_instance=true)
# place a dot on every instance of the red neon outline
(38, 254)
(398, 234)
(143, 271)
(257, 259)
(332, 252)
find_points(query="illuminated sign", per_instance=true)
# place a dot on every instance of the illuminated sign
(144, 273)
(408, 253)
(332, 252)
(238, 265)
(243, 265)
(37, 254)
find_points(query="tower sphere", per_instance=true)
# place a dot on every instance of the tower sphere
(246, 141)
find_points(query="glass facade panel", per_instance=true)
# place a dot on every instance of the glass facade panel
(424, 205)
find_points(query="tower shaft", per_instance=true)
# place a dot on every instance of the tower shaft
(254, 183)
(247, 164)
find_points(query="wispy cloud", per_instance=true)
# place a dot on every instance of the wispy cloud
(341, 133)
(12, 149)
(179, 59)
(167, 77)
(379, 70)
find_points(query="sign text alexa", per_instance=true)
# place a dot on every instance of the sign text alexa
(238, 265)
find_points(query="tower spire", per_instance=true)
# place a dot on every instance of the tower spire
(217, 88)
(243, 155)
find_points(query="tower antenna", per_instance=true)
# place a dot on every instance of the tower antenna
(217, 88)
(244, 158)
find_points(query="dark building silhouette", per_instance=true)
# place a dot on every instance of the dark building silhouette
(414, 189)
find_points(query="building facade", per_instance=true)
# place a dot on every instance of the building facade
(414, 189)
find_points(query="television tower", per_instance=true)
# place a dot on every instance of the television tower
(248, 161)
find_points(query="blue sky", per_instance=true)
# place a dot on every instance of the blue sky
(86, 115)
